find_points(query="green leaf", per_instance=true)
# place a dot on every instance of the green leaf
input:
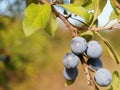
(102, 4)
(116, 10)
(78, 2)
(91, 16)
(112, 52)
(110, 49)
(90, 6)
(114, 16)
(115, 81)
(118, 1)
(87, 3)
(36, 17)
(87, 34)
(78, 10)
(52, 25)
(81, 2)
(97, 6)
(28, 2)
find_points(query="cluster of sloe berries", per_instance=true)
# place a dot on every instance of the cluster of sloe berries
(79, 46)
(93, 51)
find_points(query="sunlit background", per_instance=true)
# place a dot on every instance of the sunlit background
(35, 62)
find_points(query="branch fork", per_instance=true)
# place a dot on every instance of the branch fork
(87, 73)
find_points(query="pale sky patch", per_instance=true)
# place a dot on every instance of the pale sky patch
(104, 16)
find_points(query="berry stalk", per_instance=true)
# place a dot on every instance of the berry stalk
(87, 73)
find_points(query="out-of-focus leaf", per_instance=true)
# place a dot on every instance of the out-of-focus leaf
(110, 49)
(81, 2)
(87, 34)
(78, 2)
(2, 66)
(114, 16)
(28, 2)
(118, 1)
(91, 16)
(87, 3)
(78, 10)
(90, 6)
(30, 71)
(115, 85)
(36, 17)
(102, 4)
(52, 25)
(95, 23)
(116, 10)
(96, 5)
(112, 52)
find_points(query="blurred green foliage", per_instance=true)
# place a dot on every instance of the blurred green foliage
(28, 55)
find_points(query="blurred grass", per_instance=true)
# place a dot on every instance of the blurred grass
(36, 61)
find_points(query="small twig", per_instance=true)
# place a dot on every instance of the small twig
(91, 23)
(87, 73)
(91, 69)
(72, 28)
(68, 16)
(85, 55)
(103, 29)
(100, 35)
(117, 4)
(111, 27)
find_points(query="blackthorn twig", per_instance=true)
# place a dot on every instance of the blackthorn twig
(72, 28)
(87, 73)
(117, 4)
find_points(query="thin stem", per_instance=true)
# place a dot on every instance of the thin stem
(100, 35)
(72, 28)
(92, 23)
(111, 27)
(87, 73)
(117, 4)
(85, 55)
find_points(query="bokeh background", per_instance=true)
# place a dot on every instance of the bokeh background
(35, 62)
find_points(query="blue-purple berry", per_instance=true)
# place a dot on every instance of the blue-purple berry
(103, 77)
(95, 63)
(94, 49)
(78, 45)
(70, 60)
(70, 74)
